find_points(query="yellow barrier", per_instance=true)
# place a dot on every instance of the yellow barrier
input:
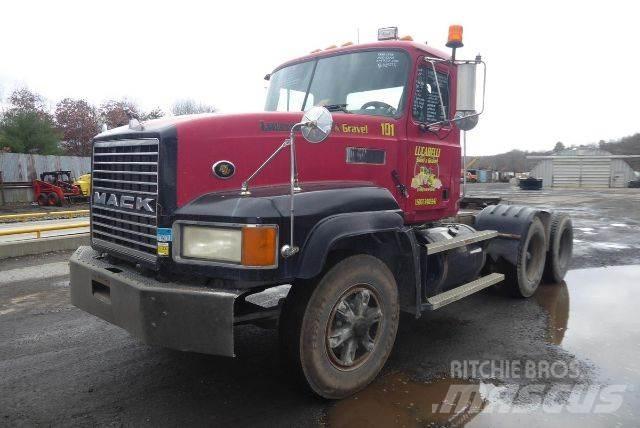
(39, 229)
(43, 214)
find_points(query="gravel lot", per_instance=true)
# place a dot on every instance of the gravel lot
(61, 366)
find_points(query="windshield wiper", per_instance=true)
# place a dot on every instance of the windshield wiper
(337, 107)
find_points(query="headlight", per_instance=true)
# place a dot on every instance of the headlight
(251, 245)
(212, 243)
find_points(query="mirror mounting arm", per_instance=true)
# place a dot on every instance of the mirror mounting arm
(290, 249)
(244, 189)
(317, 119)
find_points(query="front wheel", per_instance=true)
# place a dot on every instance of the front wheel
(338, 333)
(43, 199)
(54, 200)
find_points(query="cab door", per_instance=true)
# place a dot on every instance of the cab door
(433, 152)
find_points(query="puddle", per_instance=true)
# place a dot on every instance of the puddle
(593, 315)
(554, 298)
(396, 400)
(610, 246)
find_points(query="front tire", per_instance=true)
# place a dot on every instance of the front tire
(338, 333)
(43, 199)
(54, 200)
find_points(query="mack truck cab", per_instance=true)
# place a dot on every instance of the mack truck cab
(341, 199)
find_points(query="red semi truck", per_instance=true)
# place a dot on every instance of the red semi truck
(194, 217)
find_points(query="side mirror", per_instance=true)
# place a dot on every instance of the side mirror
(466, 117)
(316, 124)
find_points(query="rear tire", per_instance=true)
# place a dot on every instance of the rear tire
(338, 333)
(560, 248)
(54, 200)
(523, 278)
(43, 199)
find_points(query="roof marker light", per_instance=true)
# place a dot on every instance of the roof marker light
(455, 36)
(388, 33)
(406, 38)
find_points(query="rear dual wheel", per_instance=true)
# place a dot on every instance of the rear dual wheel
(523, 278)
(560, 248)
(338, 333)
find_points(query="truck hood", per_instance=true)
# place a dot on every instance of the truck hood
(246, 140)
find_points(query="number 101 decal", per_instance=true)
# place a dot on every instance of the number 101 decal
(388, 129)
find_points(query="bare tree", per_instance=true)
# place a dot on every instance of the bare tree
(190, 106)
(78, 121)
(114, 112)
(156, 113)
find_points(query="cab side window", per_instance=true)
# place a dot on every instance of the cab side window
(426, 101)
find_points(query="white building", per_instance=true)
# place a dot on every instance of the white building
(590, 168)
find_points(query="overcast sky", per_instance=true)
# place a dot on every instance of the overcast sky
(558, 70)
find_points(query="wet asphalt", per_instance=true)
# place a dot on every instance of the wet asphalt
(61, 366)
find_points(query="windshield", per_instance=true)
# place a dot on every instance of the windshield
(371, 82)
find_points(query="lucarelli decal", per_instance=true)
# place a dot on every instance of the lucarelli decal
(426, 173)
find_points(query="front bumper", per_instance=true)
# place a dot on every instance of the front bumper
(174, 315)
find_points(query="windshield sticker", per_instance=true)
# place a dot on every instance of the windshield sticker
(387, 60)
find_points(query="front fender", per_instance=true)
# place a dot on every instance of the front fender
(332, 229)
(379, 233)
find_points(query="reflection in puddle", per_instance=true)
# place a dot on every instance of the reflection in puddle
(601, 326)
(554, 298)
(395, 400)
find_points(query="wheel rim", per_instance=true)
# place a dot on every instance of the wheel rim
(353, 329)
(534, 257)
(565, 247)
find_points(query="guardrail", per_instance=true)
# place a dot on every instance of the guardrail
(56, 214)
(45, 228)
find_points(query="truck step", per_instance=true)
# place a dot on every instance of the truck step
(464, 290)
(460, 241)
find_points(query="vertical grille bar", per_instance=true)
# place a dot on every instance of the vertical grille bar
(125, 192)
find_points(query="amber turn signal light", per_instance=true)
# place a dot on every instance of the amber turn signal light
(259, 246)
(455, 36)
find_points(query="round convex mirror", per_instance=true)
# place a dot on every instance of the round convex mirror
(317, 124)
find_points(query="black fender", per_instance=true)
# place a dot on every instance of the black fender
(380, 233)
(512, 222)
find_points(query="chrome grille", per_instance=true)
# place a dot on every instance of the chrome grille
(125, 169)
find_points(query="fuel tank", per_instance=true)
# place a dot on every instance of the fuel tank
(449, 269)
